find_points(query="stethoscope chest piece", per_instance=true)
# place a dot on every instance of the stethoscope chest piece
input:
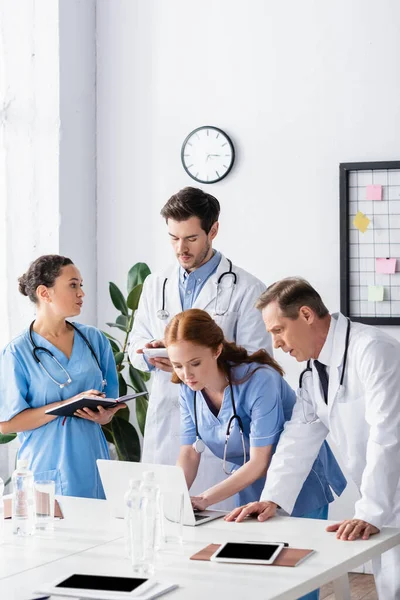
(162, 314)
(199, 446)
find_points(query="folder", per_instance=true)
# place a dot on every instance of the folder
(287, 557)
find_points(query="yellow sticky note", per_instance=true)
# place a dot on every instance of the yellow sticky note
(361, 221)
(375, 293)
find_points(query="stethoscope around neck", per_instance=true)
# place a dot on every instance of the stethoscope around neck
(199, 446)
(163, 313)
(36, 349)
(308, 369)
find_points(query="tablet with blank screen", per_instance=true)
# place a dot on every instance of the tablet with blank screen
(259, 553)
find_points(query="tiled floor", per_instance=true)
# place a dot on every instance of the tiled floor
(362, 588)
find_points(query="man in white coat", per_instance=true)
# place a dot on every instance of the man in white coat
(351, 389)
(202, 278)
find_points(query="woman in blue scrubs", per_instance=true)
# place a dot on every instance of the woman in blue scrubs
(220, 380)
(74, 360)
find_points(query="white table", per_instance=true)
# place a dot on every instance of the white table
(88, 540)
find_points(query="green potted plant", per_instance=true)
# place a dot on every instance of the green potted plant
(120, 431)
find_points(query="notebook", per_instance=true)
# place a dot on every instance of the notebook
(68, 409)
(288, 557)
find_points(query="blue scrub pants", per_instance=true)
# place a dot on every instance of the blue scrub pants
(320, 513)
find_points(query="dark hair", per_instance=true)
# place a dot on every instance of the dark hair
(291, 294)
(192, 202)
(43, 271)
(199, 327)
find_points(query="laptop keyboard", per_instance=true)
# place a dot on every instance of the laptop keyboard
(200, 517)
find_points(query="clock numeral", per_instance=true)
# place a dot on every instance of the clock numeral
(188, 143)
(225, 167)
(217, 136)
(207, 132)
(197, 135)
(187, 155)
(222, 145)
(217, 173)
(197, 174)
(190, 166)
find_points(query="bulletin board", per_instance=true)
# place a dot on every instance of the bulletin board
(370, 242)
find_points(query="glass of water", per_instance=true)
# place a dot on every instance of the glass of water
(171, 518)
(45, 496)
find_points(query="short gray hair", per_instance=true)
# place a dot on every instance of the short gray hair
(291, 294)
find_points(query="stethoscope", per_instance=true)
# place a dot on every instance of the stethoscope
(199, 446)
(37, 349)
(308, 369)
(164, 314)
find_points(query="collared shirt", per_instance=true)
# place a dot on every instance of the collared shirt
(325, 356)
(191, 284)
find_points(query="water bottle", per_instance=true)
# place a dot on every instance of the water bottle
(150, 493)
(23, 500)
(132, 508)
(1, 511)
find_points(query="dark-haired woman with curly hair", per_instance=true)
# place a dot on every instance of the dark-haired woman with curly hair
(47, 365)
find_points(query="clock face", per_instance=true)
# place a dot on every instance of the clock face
(207, 154)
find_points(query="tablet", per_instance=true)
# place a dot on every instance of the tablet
(258, 553)
(155, 352)
(102, 587)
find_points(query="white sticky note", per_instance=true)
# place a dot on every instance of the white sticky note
(375, 293)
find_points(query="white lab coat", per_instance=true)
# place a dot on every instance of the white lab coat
(363, 419)
(242, 323)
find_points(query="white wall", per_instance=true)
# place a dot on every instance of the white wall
(300, 87)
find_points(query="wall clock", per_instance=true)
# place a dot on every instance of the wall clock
(207, 154)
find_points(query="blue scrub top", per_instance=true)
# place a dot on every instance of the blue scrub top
(264, 402)
(65, 452)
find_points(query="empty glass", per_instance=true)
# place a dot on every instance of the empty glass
(45, 496)
(171, 518)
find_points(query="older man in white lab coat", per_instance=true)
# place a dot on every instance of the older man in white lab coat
(350, 390)
(202, 278)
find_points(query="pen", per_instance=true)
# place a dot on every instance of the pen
(41, 598)
(286, 544)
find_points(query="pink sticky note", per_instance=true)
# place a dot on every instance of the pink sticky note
(386, 265)
(374, 192)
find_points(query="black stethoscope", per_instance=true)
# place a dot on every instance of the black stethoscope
(164, 314)
(199, 446)
(308, 369)
(37, 349)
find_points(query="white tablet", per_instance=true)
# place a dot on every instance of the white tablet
(155, 352)
(101, 587)
(258, 553)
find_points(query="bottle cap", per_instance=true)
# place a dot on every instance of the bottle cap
(148, 476)
(22, 463)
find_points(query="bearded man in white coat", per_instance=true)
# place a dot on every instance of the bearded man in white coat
(351, 389)
(202, 278)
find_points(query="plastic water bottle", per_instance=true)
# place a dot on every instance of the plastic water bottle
(23, 500)
(1, 511)
(150, 493)
(132, 513)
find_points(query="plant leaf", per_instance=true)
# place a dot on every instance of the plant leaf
(136, 380)
(134, 297)
(123, 414)
(117, 325)
(144, 375)
(123, 388)
(141, 411)
(118, 299)
(115, 348)
(122, 320)
(5, 438)
(119, 357)
(137, 274)
(126, 440)
(110, 337)
(108, 434)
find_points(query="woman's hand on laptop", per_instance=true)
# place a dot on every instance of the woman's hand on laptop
(199, 502)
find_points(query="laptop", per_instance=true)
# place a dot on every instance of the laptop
(115, 476)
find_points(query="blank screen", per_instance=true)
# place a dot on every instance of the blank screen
(100, 582)
(248, 551)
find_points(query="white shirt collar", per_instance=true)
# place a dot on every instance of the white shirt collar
(325, 355)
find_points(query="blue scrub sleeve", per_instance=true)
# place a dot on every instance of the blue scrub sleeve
(267, 417)
(13, 386)
(109, 368)
(188, 429)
